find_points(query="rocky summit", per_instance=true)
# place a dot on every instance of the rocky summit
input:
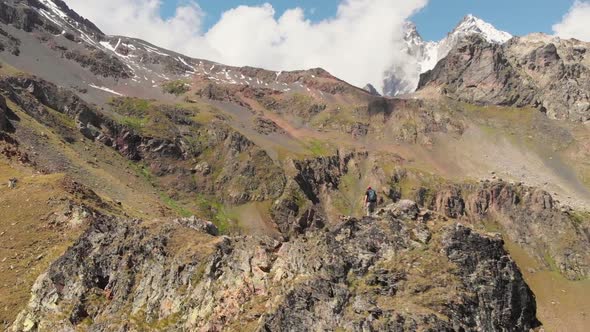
(145, 190)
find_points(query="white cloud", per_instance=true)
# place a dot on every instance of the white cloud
(142, 19)
(575, 24)
(359, 44)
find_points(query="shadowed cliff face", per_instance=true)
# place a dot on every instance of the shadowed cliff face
(356, 275)
(537, 70)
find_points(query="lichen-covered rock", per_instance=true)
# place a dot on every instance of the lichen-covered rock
(485, 259)
(357, 275)
(403, 209)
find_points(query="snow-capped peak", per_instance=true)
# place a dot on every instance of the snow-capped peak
(474, 25)
(404, 78)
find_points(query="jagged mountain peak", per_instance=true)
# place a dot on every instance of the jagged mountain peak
(58, 12)
(474, 25)
(426, 54)
(411, 34)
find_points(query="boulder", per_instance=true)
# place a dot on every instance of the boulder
(199, 225)
(404, 209)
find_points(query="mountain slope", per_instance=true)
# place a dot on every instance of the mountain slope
(72, 52)
(277, 162)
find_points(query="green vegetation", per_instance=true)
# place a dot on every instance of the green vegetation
(318, 148)
(32, 247)
(416, 185)
(135, 123)
(550, 262)
(176, 88)
(147, 116)
(580, 217)
(142, 322)
(337, 117)
(61, 118)
(131, 106)
(175, 206)
(220, 215)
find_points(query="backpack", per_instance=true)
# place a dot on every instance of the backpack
(372, 195)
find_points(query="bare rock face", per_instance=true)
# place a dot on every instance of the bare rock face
(371, 90)
(529, 217)
(483, 258)
(3, 118)
(266, 126)
(299, 208)
(199, 225)
(539, 71)
(358, 275)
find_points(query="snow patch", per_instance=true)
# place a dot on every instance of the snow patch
(186, 64)
(105, 89)
(151, 49)
(54, 8)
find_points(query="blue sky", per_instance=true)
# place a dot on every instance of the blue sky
(518, 17)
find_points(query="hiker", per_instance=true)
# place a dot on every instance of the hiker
(370, 201)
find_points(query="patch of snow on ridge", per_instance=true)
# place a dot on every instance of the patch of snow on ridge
(51, 18)
(108, 46)
(54, 8)
(151, 49)
(105, 89)
(185, 63)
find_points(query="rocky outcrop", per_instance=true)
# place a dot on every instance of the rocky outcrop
(266, 126)
(485, 258)
(479, 72)
(23, 14)
(299, 208)
(358, 275)
(371, 90)
(100, 63)
(537, 71)
(21, 17)
(9, 43)
(173, 157)
(34, 96)
(529, 217)
(199, 225)
(3, 116)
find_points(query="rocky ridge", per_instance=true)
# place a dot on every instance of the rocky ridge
(536, 71)
(359, 273)
(127, 66)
